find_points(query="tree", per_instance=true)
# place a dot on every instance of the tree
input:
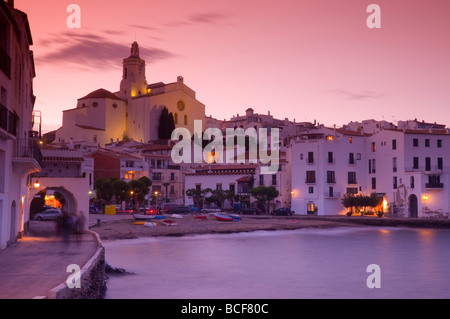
(104, 189)
(360, 202)
(218, 197)
(264, 195)
(166, 184)
(197, 195)
(121, 190)
(231, 197)
(166, 125)
(140, 188)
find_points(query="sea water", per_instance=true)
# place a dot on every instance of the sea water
(306, 263)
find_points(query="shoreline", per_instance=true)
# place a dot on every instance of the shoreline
(188, 226)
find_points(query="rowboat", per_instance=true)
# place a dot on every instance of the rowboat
(176, 216)
(223, 217)
(169, 222)
(147, 224)
(235, 217)
(200, 217)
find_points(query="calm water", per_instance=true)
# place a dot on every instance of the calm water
(308, 263)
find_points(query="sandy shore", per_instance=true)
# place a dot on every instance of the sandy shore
(188, 225)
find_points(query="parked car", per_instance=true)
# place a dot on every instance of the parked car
(167, 206)
(193, 208)
(48, 214)
(179, 210)
(282, 212)
(251, 211)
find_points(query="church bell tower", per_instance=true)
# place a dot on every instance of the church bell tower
(133, 82)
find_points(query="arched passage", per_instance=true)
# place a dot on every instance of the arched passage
(413, 206)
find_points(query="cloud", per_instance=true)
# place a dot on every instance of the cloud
(364, 95)
(89, 50)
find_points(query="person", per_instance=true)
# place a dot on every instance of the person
(66, 226)
(79, 226)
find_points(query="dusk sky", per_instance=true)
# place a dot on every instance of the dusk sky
(301, 59)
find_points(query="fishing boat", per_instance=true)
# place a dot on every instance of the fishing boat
(235, 217)
(223, 217)
(169, 222)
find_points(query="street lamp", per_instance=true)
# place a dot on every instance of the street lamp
(36, 184)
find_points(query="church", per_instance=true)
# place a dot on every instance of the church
(131, 113)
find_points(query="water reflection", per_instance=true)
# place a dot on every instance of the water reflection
(328, 263)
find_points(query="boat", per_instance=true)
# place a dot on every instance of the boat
(169, 222)
(140, 223)
(142, 217)
(235, 217)
(176, 216)
(200, 217)
(223, 217)
(159, 217)
(147, 224)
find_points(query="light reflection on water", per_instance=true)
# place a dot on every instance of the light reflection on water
(308, 263)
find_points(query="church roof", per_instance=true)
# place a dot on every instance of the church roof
(101, 94)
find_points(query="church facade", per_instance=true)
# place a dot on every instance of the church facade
(133, 112)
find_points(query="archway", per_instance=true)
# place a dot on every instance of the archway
(413, 206)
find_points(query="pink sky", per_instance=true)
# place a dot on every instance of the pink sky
(301, 59)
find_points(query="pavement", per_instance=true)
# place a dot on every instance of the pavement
(38, 262)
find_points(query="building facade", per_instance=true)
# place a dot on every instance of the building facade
(134, 111)
(19, 153)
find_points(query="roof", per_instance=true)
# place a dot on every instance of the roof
(423, 131)
(224, 169)
(118, 155)
(101, 94)
(86, 127)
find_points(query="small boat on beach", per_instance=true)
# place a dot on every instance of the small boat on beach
(235, 217)
(169, 222)
(176, 216)
(143, 217)
(200, 217)
(223, 217)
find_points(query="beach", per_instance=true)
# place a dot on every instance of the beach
(124, 228)
(188, 225)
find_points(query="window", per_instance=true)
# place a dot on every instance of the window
(129, 164)
(185, 119)
(330, 191)
(156, 176)
(310, 157)
(311, 190)
(219, 187)
(373, 147)
(175, 118)
(415, 142)
(439, 143)
(274, 179)
(358, 156)
(427, 142)
(198, 187)
(374, 183)
(415, 163)
(310, 207)
(395, 182)
(94, 138)
(310, 177)
(394, 144)
(172, 190)
(440, 163)
(352, 190)
(427, 164)
(350, 140)
(411, 181)
(351, 158)
(301, 156)
(172, 176)
(330, 157)
(372, 166)
(331, 177)
(394, 164)
(261, 180)
(352, 178)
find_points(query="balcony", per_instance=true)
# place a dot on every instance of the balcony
(9, 122)
(27, 156)
(5, 62)
(434, 185)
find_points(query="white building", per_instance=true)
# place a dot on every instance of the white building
(19, 153)
(412, 168)
(326, 164)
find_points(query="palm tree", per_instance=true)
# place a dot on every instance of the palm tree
(166, 184)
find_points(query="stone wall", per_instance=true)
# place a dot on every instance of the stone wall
(93, 279)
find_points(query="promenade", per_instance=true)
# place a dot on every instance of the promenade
(37, 263)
